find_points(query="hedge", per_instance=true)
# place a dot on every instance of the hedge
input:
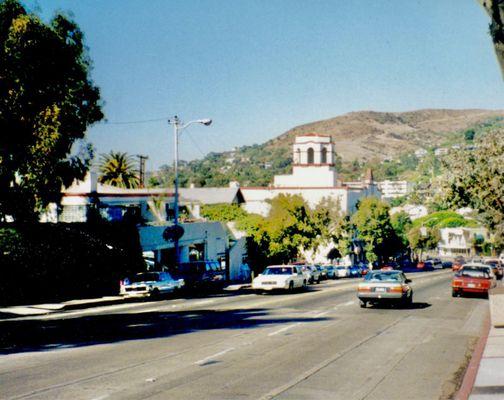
(54, 262)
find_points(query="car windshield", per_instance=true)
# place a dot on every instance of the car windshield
(383, 276)
(278, 271)
(474, 273)
(145, 277)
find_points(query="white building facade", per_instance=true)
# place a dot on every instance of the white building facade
(460, 241)
(393, 189)
(314, 177)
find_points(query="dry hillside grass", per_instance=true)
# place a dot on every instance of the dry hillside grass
(370, 134)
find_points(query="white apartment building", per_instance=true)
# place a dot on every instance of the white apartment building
(460, 241)
(392, 189)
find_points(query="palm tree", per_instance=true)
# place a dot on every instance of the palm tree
(117, 169)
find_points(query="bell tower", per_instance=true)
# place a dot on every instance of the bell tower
(313, 163)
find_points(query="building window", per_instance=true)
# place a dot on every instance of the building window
(323, 156)
(311, 156)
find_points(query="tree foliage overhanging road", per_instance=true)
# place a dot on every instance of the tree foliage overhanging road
(47, 100)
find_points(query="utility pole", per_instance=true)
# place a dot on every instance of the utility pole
(141, 163)
(178, 127)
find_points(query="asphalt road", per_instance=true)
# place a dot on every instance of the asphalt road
(314, 345)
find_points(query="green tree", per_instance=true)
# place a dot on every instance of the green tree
(423, 239)
(47, 100)
(401, 223)
(334, 227)
(117, 169)
(475, 178)
(223, 212)
(373, 226)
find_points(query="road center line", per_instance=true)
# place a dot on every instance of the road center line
(285, 328)
(203, 360)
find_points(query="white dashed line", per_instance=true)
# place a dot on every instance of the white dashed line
(285, 328)
(204, 360)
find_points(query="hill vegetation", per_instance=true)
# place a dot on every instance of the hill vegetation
(383, 141)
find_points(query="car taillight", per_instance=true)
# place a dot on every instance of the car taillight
(121, 283)
(364, 289)
(457, 282)
(396, 289)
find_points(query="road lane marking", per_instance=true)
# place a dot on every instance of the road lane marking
(221, 353)
(284, 329)
(321, 314)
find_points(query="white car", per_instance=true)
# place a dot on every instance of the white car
(150, 284)
(341, 271)
(280, 277)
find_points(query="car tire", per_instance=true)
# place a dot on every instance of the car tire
(305, 285)
(291, 286)
(318, 280)
(409, 300)
(455, 293)
(363, 304)
(155, 294)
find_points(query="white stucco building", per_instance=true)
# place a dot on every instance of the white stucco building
(392, 189)
(152, 211)
(314, 177)
(460, 241)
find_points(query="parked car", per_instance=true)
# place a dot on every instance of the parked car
(149, 284)
(331, 272)
(280, 277)
(447, 264)
(364, 269)
(201, 274)
(323, 272)
(457, 265)
(385, 286)
(496, 267)
(314, 274)
(342, 271)
(473, 278)
(354, 271)
(433, 263)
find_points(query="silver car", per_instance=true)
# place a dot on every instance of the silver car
(150, 284)
(385, 286)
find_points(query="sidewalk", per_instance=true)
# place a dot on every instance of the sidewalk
(489, 383)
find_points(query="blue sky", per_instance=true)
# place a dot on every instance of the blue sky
(259, 68)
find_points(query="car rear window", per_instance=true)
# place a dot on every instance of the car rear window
(474, 273)
(145, 277)
(278, 271)
(383, 276)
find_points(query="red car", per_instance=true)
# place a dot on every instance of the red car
(472, 279)
(456, 266)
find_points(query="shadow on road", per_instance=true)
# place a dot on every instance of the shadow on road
(40, 335)
(413, 306)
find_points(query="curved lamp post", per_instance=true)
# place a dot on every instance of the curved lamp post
(178, 127)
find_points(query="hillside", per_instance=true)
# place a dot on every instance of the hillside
(369, 134)
(362, 139)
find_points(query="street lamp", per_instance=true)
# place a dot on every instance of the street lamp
(178, 127)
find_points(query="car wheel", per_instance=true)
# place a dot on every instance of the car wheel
(363, 304)
(318, 280)
(305, 286)
(455, 293)
(155, 293)
(291, 286)
(409, 300)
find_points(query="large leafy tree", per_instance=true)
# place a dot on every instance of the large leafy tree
(475, 178)
(47, 100)
(495, 9)
(118, 169)
(374, 228)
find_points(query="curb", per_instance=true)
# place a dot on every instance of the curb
(472, 369)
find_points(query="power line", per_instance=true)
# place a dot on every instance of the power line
(144, 121)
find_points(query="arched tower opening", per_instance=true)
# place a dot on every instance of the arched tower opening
(311, 155)
(323, 156)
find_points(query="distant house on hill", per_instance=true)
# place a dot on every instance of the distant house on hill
(314, 177)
